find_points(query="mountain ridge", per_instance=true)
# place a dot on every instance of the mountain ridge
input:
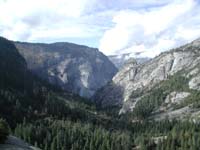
(134, 78)
(79, 69)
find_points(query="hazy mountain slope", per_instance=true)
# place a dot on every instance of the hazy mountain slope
(75, 68)
(27, 96)
(24, 95)
(134, 80)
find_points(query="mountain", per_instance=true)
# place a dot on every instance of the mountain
(47, 117)
(18, 85)
(23, 94)
(121, 59)
(76, 68)
(52, 119)
(166, 86)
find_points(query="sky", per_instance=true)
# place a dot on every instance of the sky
(142, 27)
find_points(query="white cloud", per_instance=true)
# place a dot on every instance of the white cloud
(29, 20)
(151, 31)
(121, 26)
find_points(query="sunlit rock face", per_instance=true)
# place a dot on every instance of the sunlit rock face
(76, 68)
(133, 77)
(195, 83)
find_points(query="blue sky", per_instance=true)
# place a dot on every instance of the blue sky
(147, 27)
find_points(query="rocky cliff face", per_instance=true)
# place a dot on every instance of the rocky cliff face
(135, 80)
(75, 68)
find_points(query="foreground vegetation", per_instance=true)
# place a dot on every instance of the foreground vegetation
(64, 134)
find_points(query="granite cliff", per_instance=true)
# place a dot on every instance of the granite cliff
(75, 68)
(135, 83)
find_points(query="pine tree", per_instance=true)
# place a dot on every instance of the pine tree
(53, 144)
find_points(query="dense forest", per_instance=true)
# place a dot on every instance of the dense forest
(51, 119)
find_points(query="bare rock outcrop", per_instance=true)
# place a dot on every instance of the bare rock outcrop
(195, 83)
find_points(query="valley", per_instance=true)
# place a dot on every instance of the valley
(64, 96)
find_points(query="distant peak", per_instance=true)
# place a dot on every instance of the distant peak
(131, 61)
